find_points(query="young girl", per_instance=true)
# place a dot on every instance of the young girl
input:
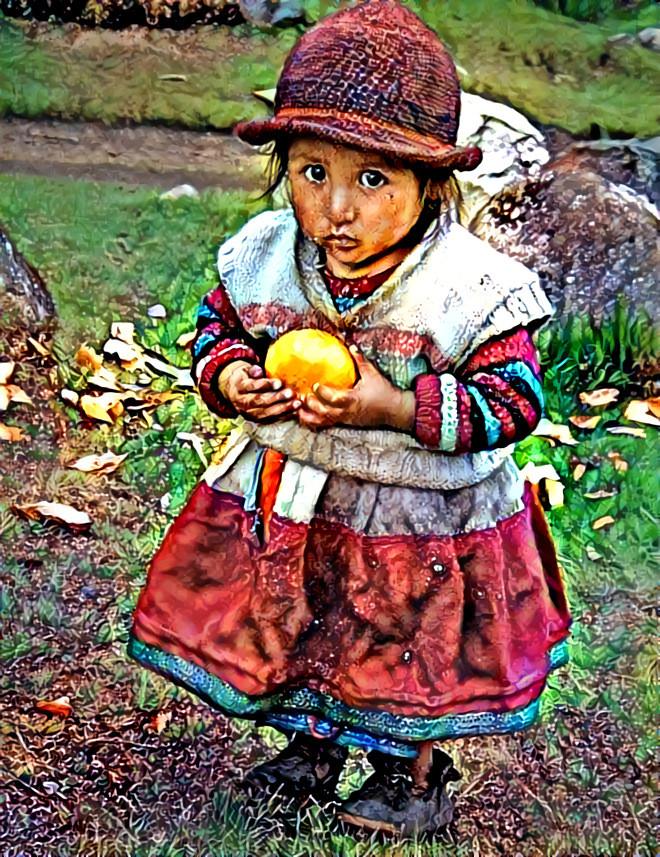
(365, 568)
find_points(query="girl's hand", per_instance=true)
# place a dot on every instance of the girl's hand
(253, 395)
(373, 401)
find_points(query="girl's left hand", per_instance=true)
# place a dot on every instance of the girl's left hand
(373, 401)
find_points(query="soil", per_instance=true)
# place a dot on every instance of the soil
(147, 155)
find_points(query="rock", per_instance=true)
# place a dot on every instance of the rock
(179, 191)
(157, 311)
(269, 13)
(650, 38)
(23, 281)
(621, 39)
(631, 162)
(513, 149)
(592, 241)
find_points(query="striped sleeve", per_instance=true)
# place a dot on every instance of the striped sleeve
(220, 338)
(494, 400)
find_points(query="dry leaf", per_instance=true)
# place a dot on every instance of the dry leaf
(69, 396)
(593, 555)
(596, 398)
(6, 369)
(38, 347)
(10, 433)
(579, 471)
(18, 395)
(123, 330)
(546, 428)
(633, 432)
(555, 492)
(605, 521)
(106, 463)
(60, 706)
(5, 398)
(160, 720)
(58, 512)
(638, 412)
(654, 406)
(186, 338)
(196, 444)
(104, 379)
(583, 422)
(106, 407)
(183, 377)
(87, 358)
(554, 488)
(600, 494)
(127, 354)
(618, 462)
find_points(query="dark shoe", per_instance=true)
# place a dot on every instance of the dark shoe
(307, 767)
(396, 799)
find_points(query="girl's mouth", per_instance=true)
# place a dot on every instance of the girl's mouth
(340, 241)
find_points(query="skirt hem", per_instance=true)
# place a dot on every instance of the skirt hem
(325, 717)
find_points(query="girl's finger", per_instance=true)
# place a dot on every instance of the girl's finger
(279, 410)
(255, 371)
(321, 408)
(258, 385)
(330, 396)
(252, 401)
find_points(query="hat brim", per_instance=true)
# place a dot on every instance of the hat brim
(361, 132)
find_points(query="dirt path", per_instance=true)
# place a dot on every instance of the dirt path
(146, 155)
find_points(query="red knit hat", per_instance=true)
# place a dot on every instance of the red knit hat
(373, 77)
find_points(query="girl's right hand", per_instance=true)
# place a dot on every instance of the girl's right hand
(255, 396)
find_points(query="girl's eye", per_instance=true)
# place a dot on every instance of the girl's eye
(314, 173)
(372, 179)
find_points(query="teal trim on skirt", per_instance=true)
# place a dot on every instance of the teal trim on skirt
(305, 710)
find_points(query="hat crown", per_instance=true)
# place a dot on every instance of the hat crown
(377, 59)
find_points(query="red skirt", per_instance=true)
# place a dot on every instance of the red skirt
(376, 641)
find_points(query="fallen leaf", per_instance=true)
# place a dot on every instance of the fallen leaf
(196, 443)
(69, 396)
(583, 422)
(106, 407)
(593, 555)
(18, 395)
(127, 354)
(106, 463)
(160, 720)
(6, 369)
(605, 521)
(38, 347)
(579, 471)
(59, 512)
(123, 330)
(600, 494)
(5, 398)
(603, 396)
(638, 412)
(61, 706)
(618, 462)
(87, 358)
(554, 488)
(186, 338)
(546, 428)
(157, 311)
(555, 491)
(10, 433)
(104, 379)
(633, 432)
(654, 405)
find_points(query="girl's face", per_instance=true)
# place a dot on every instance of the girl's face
(353, 204)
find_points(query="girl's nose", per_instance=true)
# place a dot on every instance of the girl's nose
(342, 205)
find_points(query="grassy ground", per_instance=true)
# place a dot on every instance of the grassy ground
(556, 70)
(107, 780)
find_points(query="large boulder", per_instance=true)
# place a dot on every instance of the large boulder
(593, 242)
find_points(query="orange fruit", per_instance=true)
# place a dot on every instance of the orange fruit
(302, 358)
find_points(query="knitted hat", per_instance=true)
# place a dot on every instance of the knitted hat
(373, 77)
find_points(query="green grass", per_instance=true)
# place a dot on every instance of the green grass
(554, 69)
